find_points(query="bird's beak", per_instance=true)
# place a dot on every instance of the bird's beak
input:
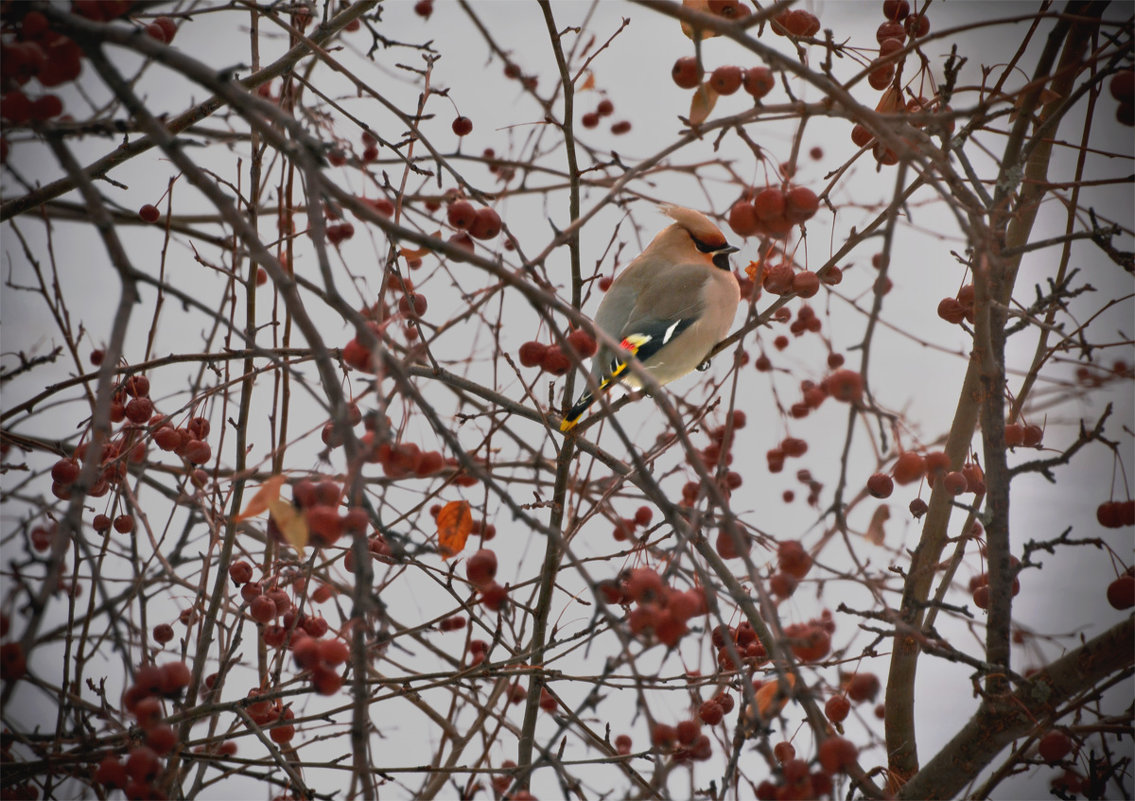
(726, 250)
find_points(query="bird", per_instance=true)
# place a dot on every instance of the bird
(667, 309)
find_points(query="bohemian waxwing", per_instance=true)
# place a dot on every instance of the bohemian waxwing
(668, 308)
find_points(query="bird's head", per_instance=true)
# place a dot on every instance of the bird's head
(692, 238)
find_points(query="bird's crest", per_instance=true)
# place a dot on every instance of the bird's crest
(700, 227)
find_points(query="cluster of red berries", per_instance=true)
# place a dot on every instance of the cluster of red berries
(979, 585)
(773, 211)
(891, 36)
(659, 609)
(1116, 514)
(188, 441)
(605, 108)
(131, 405)
(735, 643)
(1122, 88)
(143, 699)
(322, 658)
(793, 563)
(625, 527)
(958, 308)
(797, 782)
(378, 548)
(911, 466)
(480, 222)
(687, 73)
(481, 570)
(718, 451)
(713, 711)
(811, 641)
(835, 755)
(271, 713)
(337, 233)
(380, 205)
(684, 742)
(551, 358)
(1100, 376)
(795, 22)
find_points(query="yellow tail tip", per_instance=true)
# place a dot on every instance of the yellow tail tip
(567, 424)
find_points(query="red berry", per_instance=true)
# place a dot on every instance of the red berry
(111, 772)
(590, 119)
(845, 385)
(168, 26)
(880, 485)
(46, 107)
(917, 25)
(686, 72)
(481, 568)
(837, 753)
(163, 633)
(769, 203)
(555, 361)
(1054, 746)
(605, 108)
(197, 452)
(837, 708)
(461, 214)
(955, 482)
(896, 9)
(262, 609)
(862, 687)
(726, 79)
(743, 219)
(240, 572)
(65, 471)
(582, 343)
(1122, 86)
(149, 213)
(801, 204)
(423, 8)
(1121, 592)
(143, 764)
(462, 126)
(486, 224)
(711, 713)
(124, 524)
(758, 81)
(621, 127)
(793, 559)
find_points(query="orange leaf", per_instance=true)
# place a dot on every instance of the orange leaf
(588, 82)
(704, 99)
(703, 7)
(410, 253)
(291, 523)
(769, 698)
(258, 504)
(454, 524)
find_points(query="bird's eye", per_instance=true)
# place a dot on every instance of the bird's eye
(705, 247)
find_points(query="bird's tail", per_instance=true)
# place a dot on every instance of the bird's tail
(587, 398)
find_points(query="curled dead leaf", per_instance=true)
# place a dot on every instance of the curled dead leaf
(291, 523)
(702, 103)
(454, 525)
(258, 503)
(700, 6)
